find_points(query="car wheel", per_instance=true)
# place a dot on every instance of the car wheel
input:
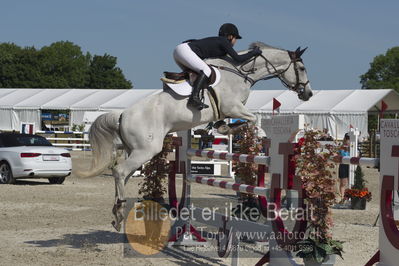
(56, 180)
(6, 176)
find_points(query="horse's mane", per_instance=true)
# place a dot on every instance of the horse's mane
(263, 45)
(230, 61)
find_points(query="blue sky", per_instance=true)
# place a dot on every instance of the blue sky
(343, 36)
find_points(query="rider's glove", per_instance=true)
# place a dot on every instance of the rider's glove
(256, 51)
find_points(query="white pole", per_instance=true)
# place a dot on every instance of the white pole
(230, 150)
(353, 152)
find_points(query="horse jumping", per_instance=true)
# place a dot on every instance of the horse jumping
(143, 127)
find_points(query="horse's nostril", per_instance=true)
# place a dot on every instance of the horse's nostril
(310, 94)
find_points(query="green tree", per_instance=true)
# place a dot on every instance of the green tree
(15, 70)
(63, 65)
(383, 72)
(59, 65)
(106, 75)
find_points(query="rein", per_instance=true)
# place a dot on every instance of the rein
(236, 71)
(245, 73)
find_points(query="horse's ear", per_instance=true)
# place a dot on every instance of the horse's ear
(295, 54)
(300, 52)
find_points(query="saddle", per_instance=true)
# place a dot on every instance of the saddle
(181, 84)
(187, 75)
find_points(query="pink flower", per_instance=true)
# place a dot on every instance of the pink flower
(301, 141)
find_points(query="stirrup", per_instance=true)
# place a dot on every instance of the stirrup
(202, 106)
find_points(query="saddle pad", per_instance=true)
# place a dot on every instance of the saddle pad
(184, 88)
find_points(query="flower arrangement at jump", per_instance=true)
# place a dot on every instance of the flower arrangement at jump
(315, 169)
(155, 174)
(246, 173)
(249, 143)
(358, 194)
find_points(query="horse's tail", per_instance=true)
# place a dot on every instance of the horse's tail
(102, 134)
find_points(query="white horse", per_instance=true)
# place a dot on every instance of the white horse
(143, 127)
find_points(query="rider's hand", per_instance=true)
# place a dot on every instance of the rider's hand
(256, 51)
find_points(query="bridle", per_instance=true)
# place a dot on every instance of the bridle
(298, 87)
(244, 73)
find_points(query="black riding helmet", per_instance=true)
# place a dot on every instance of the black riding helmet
(229, 29)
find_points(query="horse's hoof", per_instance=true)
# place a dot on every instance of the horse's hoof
(117, 226)
(219, 124)
(224, 130)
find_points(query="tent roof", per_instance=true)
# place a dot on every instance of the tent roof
(42, 97)
(127, 99)
(4, 92)
(14, 96)
(96, 99)
(66, 100)
(258, 98)
(74, 99)
(325, 101)
(369, 100)
(261, 101)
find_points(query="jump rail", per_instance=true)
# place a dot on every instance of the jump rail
(235, 157)
(265, 160)
(260, 191)
(362, 161)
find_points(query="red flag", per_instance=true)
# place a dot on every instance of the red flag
(350, 126)
(276, 104)
(384, 107)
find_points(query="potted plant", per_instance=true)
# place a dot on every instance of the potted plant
(358, 194)
(316, 252)
(152, 189)
(155, 174)
(314, 168)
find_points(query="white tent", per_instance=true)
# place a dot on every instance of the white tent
(11, 114)
(335, 110)
(26, 105)
(91, 103)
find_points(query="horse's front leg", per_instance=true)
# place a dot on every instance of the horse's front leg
(238, 111)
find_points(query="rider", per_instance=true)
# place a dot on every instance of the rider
(190, 54)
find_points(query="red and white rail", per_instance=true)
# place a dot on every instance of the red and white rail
(261, 191)
(226, 156)
(265, 160)
(362, 161)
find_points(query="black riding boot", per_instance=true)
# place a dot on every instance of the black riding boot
(199, 84)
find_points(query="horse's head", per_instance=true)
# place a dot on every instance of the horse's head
(285, 65)
(295, 77)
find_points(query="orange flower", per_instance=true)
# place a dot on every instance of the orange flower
(358, 193)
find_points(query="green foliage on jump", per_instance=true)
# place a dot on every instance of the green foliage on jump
(383, 72)
(59, 65)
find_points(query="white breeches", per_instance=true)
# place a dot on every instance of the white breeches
(183, 55)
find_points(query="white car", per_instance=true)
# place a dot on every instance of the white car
(32, 156)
